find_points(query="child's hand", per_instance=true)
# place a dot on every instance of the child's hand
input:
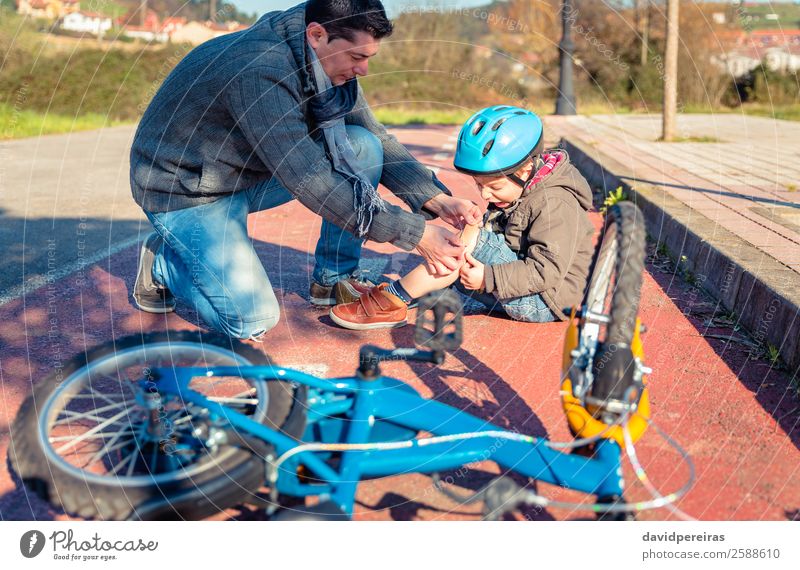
(472, 273)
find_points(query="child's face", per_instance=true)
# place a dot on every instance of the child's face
(498, 189)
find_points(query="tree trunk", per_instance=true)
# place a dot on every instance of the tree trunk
(142, 12)
(670, 72)
(212, 10)
(643, 10)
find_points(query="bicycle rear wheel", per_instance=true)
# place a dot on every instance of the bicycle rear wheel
(84, 440)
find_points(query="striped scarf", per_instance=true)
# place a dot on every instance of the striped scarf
(329, 107)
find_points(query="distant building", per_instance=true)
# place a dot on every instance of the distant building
(737, 63)
(146, 34)
(783, 59)
(86, 22)
(151, 30)
(49, 9)
(777, 50)
(774, 38)
(196, 33)
(171, 25)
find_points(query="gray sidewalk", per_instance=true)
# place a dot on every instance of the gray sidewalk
(65, 201)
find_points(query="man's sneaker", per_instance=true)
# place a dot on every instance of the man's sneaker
(376, 309)
(345, 291)
(147, 294)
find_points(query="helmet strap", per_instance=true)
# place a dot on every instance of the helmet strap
(524, 183)
(517, 180)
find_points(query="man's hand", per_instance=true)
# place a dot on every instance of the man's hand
(472, 274)
(455, 211)
(441, 249)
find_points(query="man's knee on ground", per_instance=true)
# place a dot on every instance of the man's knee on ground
(250, 329)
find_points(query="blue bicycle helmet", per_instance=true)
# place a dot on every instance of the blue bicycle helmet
(498, 140)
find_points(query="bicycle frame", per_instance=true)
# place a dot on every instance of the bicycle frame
(354, 410)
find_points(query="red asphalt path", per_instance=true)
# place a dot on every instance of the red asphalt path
(737, 417)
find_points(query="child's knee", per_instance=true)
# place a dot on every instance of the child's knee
(469, 238)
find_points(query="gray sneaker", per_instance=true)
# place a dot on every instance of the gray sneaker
(345, 291)
(149, 296)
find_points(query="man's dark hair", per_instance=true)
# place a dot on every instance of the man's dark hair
(342, 18)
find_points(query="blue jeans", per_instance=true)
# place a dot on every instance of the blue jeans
(491, 249)
(208, 260)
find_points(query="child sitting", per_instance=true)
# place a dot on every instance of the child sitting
(531, 258)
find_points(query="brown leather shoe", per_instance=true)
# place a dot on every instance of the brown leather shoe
(345, 291)
(376, 309)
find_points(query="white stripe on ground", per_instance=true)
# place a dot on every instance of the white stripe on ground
(35, 283)
(434, 169)
(449, 146)
(314, 369)
(441, 156)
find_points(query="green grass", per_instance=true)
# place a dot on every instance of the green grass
(613, 197)
(773, 355)
(789, 16)
(784, 112)
(390, 115)
(403, 116)
(703, 139)
(17, 124)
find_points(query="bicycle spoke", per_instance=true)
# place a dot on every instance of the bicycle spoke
(81, 415)
(153, 458)
(121, 464)
(132, 464)
(92, 396)
(92, 431)
(109, 447)
(55, 439)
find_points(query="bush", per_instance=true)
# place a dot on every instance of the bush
(646, 85)
(773, 87)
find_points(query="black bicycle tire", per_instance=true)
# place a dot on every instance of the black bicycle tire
(221, 485)
(628, 223)
(629, 269)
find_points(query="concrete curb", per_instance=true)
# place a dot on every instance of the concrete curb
(764, 294)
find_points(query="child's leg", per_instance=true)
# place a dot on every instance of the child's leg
(419, 281)
(530, 309)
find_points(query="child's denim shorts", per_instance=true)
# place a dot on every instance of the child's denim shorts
(491, 249)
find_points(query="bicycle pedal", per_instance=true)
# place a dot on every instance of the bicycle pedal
(443, 331)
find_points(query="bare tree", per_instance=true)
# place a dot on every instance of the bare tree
(643, 19)
(530, 26)
(670, 72)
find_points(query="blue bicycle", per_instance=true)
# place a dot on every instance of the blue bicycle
(183, 425)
